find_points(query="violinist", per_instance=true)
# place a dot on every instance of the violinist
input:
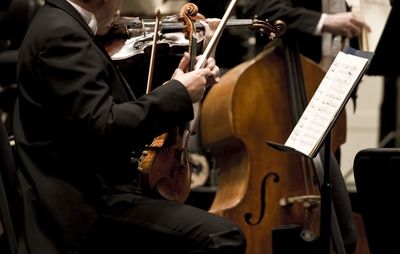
(76, 124)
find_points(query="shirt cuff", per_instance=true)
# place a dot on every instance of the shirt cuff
(318, 28)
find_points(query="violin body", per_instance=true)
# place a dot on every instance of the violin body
(131, 50)
(164, 167)
(249, 106)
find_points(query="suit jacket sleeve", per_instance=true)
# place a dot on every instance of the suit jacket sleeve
(86, 93)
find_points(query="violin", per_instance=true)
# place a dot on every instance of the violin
(132, 37)
(130, 41)
(164, 167)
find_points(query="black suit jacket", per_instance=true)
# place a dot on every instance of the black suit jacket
(75, 125)
(385, 61)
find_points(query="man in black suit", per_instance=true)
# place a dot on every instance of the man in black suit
(304, 17)
(385, 63)
(76, 124)
(307, 19)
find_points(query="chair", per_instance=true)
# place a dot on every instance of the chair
(8, 194)
(15, 17)
(377, 174)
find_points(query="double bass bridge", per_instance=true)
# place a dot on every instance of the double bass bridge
(307, 201)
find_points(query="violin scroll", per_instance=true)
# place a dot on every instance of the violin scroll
(189, 10)
(188, 15)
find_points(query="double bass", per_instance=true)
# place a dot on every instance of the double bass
(273, 196)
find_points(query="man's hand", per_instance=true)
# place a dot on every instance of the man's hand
(196, 81)
(345, 23)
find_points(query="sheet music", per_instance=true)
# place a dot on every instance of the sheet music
(326, 102)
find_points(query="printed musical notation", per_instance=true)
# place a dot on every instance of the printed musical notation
(327, 102)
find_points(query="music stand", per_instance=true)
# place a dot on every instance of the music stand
(322, 137)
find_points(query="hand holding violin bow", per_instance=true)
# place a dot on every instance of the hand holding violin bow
(197, 80)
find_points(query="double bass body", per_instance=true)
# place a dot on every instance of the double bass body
(260, 188)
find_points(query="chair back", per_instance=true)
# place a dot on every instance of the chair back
(8, 191)
(377, 174)
(15, 19)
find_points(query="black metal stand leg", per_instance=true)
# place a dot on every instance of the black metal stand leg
(326, 200)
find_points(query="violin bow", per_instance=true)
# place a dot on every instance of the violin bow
(215, 38)
(211, 46)
(153, 52)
